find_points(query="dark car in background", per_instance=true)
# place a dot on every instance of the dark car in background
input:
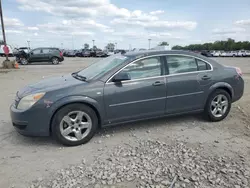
(71, 53)
(206, 53)
(101, 53)
(86, 53)
(125, 88)
(53, 55)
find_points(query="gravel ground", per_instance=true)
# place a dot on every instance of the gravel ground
(181, 151)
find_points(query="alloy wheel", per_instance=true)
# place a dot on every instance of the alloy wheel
(219, 105)
(55, 61)
(75, 126)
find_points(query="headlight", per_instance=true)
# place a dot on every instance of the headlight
(29, 100)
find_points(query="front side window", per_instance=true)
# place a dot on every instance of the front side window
(145, 68)
(181, 64)
(38, 51)
(46, 51)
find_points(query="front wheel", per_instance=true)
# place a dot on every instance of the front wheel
(74, 124)
(218, 105)
(24, 61)
(55, 61)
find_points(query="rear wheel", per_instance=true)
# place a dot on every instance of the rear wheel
(55, 61)
(74, 124)
(218, 105)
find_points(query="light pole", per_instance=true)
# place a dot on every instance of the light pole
(149, 40)
(93, 43)
(28, 43)
(3, 31)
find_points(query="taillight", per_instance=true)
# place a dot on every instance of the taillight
(61, 54)
(238, 70)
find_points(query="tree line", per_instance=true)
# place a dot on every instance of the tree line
(228, 45)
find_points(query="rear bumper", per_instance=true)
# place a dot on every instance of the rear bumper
(61, 59)
(238, 89)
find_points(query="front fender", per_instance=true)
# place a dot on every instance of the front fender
(74, 99)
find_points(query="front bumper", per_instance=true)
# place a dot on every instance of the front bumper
(32, 122)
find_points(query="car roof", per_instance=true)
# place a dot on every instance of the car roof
(145, 53)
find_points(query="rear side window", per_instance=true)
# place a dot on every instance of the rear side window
(181, 64)
(202, 65)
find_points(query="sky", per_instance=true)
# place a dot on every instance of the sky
(129, 23)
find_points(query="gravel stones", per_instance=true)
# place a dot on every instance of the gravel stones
(154, 164)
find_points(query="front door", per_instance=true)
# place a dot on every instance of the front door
(36, 55)
(187, 82)
(141, 97)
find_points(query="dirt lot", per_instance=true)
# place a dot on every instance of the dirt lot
(42, 162)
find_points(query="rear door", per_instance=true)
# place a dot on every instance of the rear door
(141, 97)
(188, 80)
(46, 54)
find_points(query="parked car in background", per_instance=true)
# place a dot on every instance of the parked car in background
(247, 53)
(125, 88)
(101, 53)
(86, 53)
(216, 53)
(79, 53)
(71, 53)
(242, 53)
(206, 53)
(53, 55)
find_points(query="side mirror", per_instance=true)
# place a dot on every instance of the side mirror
(121, 76)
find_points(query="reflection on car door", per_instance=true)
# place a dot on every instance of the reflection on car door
(141, 97)
(187, 81)
(36, 55)
(46, 54)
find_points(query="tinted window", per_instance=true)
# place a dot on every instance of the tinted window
(144, 68)
(202, 65)
(181, 64)
(46, 51)
(38, 51)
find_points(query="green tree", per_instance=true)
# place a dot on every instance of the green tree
(86, 46)
(163, 44)
(110, 47)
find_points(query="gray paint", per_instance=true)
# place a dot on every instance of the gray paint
(130, 100)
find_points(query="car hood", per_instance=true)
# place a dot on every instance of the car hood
(49, 84)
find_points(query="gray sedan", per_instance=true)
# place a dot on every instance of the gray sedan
(124, 88)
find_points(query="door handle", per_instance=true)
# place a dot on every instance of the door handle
(158, 83)
(206, 77)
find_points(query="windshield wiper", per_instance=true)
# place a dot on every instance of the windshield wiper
(79, 77)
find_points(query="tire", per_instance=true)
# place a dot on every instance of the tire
(210, 106)
(60, 119)
(24, 61)
(55, 61)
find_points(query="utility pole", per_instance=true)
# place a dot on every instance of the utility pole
(149, 40)
(3, 31)
(28, 44)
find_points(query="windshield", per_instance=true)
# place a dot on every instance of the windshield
(103, 66)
